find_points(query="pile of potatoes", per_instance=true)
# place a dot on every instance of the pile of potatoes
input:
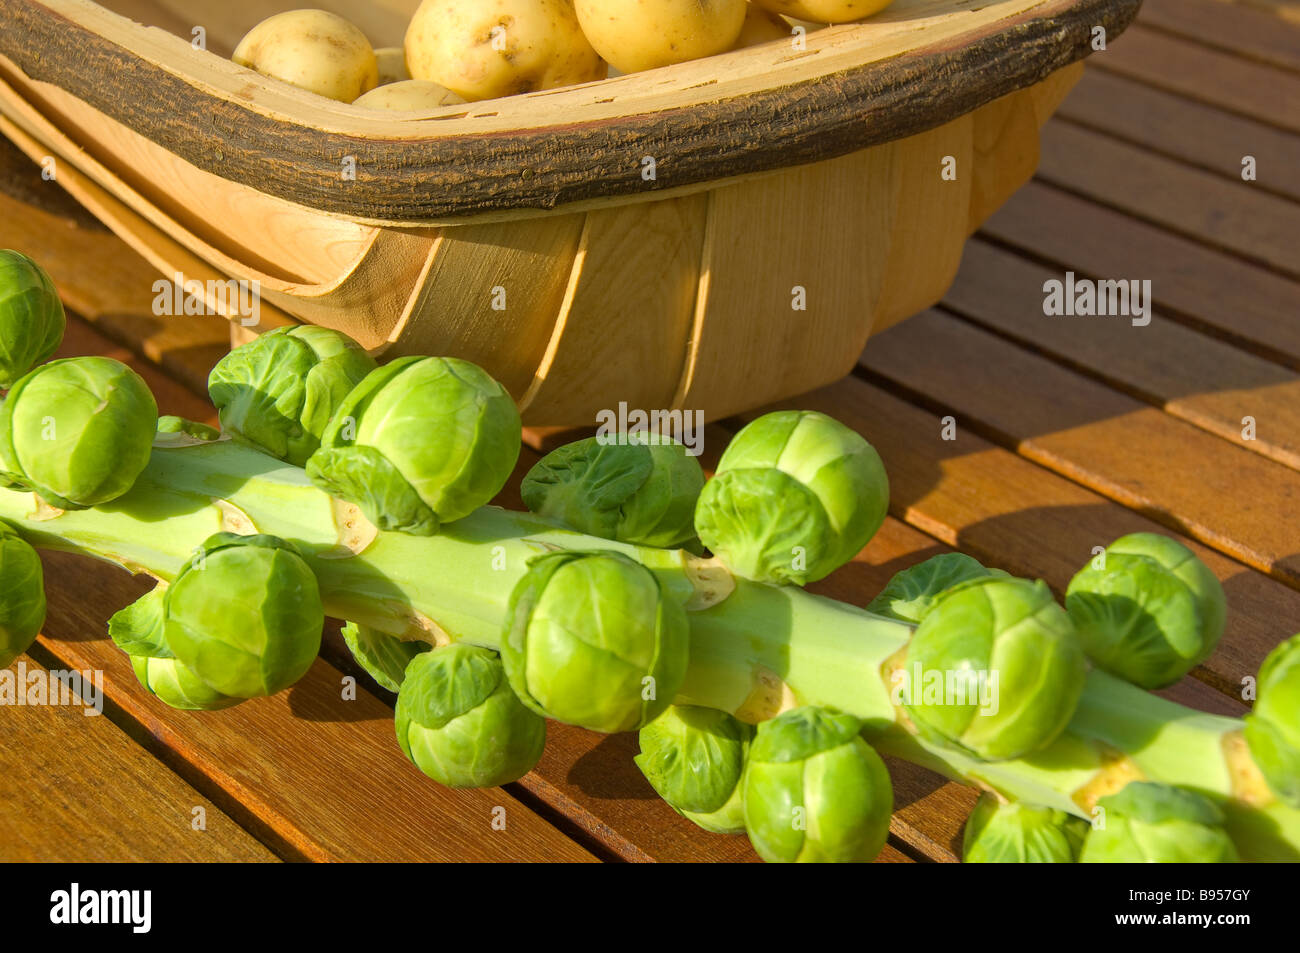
(460, 51)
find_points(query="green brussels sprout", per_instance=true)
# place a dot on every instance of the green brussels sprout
(383, 656)
(78, 431)
(1148, 823)
(176, 685)
(1273, 728)
(1152, 614)
(420, 442)
(31, 316)
(22, 609)
(694, 758)
(796, 495)
(995, 668)
(459, 722)
(641, 489)
(279, 391)
(910, 593)
(592, 639)
(814, 791)
(1013, 833)
(245, 615)
(169, 424)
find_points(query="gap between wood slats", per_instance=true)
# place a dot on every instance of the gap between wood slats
(1214, 292)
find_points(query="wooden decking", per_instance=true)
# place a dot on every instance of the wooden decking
(1069, 431)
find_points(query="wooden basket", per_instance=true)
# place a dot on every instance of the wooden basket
(798, 198)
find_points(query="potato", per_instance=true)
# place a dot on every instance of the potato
(762, 27)
(825, 11)
(634, 35)
(410, 95)
(313, 49)
(482, 49)
(392, 65)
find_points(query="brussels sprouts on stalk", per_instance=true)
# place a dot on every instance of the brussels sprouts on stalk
(695, 758)
(814, 791)
(1148, 823)
(796, 495)
(995, 668)
(1151, 614)
(594, 640)
(244, 615)
(176, 685)
(1273, 727)
(77, 431)
(31, 316)
(999, 832)
(641, 489)
(170, 425)
(460, 723)
(420, 442)
(910, 593)
(22, 595)
(279, 391)
(383, 656)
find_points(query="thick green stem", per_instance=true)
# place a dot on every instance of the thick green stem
(754, 651)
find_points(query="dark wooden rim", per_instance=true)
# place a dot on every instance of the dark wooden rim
(454, 176)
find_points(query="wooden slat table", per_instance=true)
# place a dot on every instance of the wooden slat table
(1070, 431)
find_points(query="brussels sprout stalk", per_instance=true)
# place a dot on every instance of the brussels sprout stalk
(756, 650)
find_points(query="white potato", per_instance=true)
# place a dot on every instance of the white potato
(409, 95)
(762, 27)
(634, 35)
(313, 49)
(392, 65)
(482, 49)
(825, 11)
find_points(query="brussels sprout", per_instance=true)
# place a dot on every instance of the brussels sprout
(796, 496)
(641, 489)
(31, 316)
(459, 722)
(420, 442)
(278, 392)
(1273, 728)
(1012, 833)
(176, 685)
(169, 424)
(22, 608)
(383, 656)
(593, 640)
(1149, 823)
(911, 593)
(245, 615)
(1151, 614)
(77, 431)
(995, 668)
(814, 791)
(694, 757)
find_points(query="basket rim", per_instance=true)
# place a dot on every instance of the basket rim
(255, 131)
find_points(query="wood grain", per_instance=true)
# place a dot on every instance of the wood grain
(1252, 34)
(1228, 215)
(77, 789)
(873, 83)
(1251, 306)
(1186, 131)
(1193, 377)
